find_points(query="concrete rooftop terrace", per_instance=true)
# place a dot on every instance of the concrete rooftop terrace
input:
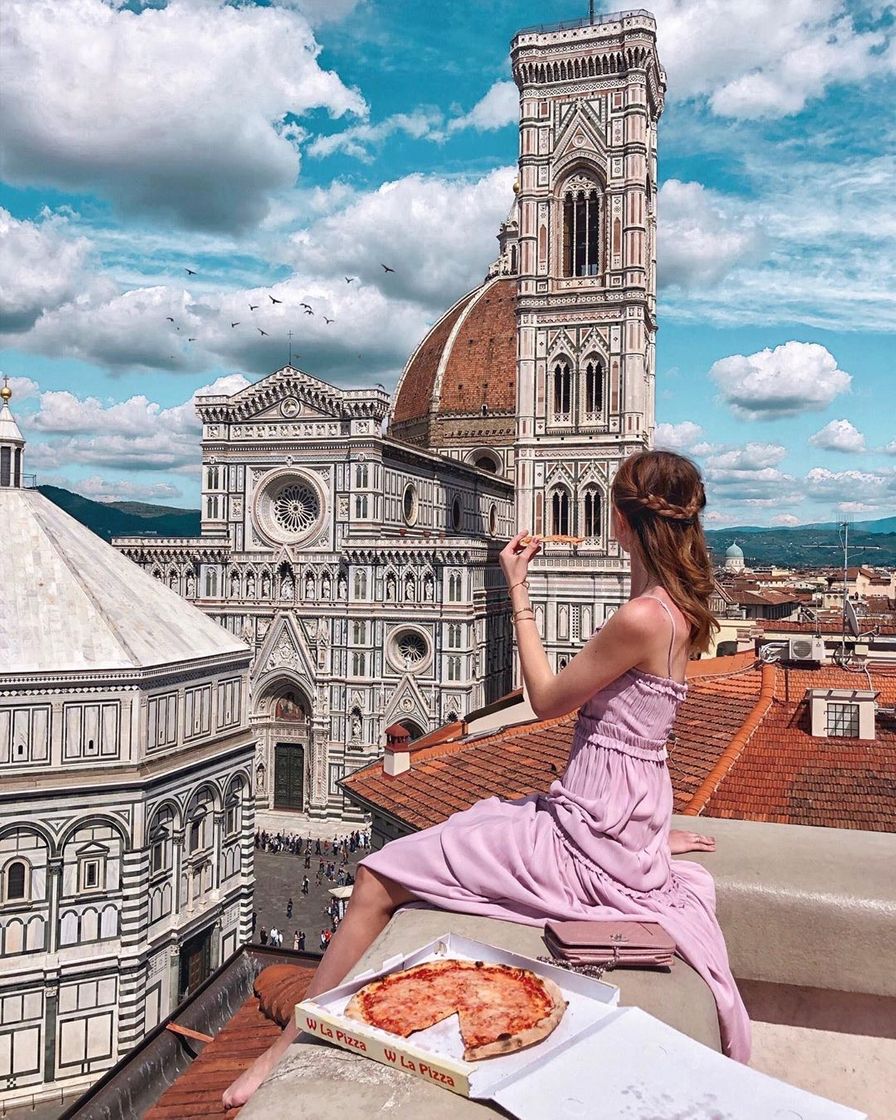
(809, 915)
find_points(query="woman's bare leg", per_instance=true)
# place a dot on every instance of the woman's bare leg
(374, 900)
(680, 842)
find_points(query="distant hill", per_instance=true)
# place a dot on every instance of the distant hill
(807, 546)
(882, 525)
(122, 519)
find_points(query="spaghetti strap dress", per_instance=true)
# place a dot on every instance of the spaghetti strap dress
(595, 845)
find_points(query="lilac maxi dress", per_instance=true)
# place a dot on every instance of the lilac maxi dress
(596, 845)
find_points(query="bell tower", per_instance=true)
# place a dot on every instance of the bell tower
(591, 93)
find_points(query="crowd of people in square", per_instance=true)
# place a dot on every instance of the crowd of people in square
(332, 858)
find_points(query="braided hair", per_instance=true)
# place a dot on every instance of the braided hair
(661, 496)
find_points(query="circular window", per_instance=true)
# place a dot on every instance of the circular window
(295, 508)
(493, 520)
(288, 507)
(455, 513)
(409, 504)
(409, 650)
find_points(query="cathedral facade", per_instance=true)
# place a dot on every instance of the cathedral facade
(352, 540)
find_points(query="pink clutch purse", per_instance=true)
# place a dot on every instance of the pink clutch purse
(609, 944)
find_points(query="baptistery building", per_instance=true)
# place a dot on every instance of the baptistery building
(351, 538)
(126, 813)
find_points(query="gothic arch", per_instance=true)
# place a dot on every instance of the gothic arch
(269, 688)
(205, 786)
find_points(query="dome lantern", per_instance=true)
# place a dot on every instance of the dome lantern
(12, 445)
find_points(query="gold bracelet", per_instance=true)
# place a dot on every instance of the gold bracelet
(519, 583)
(523, 610)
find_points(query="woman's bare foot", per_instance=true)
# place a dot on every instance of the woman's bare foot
(374, 900)
(680, 842)
(245, 1085)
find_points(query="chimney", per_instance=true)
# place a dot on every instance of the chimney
(397, 756)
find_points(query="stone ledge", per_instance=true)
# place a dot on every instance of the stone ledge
(804, 906)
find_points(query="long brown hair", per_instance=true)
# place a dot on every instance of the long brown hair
(660, 495)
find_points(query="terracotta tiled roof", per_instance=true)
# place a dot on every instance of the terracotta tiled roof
(196, 1094)
(853, 781)
(786, 776)
(479, 360)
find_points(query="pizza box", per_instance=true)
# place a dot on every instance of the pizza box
(602, 1062)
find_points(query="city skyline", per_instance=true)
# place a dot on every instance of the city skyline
(395, 145)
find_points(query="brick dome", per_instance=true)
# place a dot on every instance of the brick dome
(459, 386)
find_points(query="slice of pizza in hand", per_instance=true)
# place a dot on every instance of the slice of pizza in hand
(554, 538)
(500, 1008)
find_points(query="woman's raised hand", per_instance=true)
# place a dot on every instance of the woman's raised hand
(515, 557)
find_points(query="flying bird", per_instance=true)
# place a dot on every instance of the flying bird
(305, 305)
(349, 279)
(260, 331)
(190, 271)
(387, 268)
(253, 306)
(236, 324)
(308, 311)
(192, 340)
(271, 298)
(168, 317)
(326, 320)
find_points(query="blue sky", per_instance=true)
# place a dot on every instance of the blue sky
(275, 148)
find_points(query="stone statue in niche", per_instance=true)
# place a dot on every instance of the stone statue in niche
(250, 585)
(356, 727)
(287, 587)
(260, 778)
(342, 587)
(265, 585)
(325, 586)
(428, 589)
(309, 586)
(191, 585)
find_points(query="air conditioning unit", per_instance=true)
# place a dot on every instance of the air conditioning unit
(806, 648)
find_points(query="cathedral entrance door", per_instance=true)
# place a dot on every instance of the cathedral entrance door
(289, 776)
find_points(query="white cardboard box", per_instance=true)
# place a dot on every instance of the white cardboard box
(603, 1062)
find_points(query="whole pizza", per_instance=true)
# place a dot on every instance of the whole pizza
(500, 1008)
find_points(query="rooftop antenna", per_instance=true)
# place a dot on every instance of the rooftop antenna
(591, 11)
(844, 540)
(289, 336)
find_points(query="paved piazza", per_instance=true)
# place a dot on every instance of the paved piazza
(279, 876)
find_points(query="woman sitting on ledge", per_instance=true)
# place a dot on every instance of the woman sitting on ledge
(597, 843)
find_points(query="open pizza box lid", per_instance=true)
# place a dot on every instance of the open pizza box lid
(602, 1062)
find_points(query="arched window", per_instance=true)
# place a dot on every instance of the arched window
(560, 512)
(594, 388)
(16, 886)
(562, 394)
(591, 512)
(454, 587)
(361, 506)
(361, 584)
(361, 474)
(211, 583)
(581, 225)
(486, 463)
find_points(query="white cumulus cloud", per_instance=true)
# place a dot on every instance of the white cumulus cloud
(839, 435)
(186, 111)
(677, 437)
(793, 378)
(135, 434)
(701, 235)
(499, 107)
(42, 264)
(767, 58)
(785, 519)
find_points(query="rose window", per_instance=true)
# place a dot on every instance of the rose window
(295, 508)
(409, 650)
